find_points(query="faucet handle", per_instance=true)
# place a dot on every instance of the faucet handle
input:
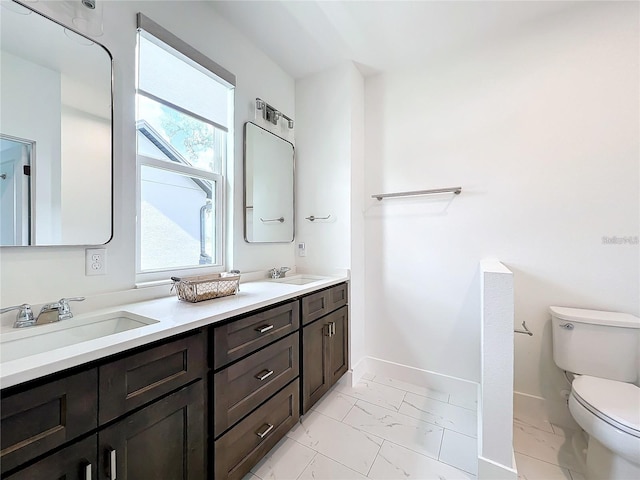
(64, 309)
(25, 316)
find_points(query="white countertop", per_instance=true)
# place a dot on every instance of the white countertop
(173, 317)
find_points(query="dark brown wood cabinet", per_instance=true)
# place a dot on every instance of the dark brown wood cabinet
(231, 391)
(163, 441)
(44, 417)
(325, 355)
(317, 305)
(243, 386)
(238, 450)
(151, 403)
(241, 337)
(78, 461)
(137, 379)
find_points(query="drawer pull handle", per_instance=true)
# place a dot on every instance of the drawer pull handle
(264, 328)
(333, 328)
(87, 472)
(266, 431)
(264, 374)
(112, 464)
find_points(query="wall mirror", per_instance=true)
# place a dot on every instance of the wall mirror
(55, 133)
(268, 187)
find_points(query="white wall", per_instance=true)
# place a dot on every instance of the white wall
(541, 131)
(329, 176)
(59, 271)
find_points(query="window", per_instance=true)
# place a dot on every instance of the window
(184, 114)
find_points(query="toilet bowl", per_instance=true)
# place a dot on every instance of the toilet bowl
(609, 412)
(603, 350)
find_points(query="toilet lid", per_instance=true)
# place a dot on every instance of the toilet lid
(618, 401)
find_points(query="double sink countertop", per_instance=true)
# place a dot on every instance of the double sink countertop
(169, 316)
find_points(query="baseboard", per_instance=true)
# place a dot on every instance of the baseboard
(358, 371)
(537, 410)
(489, 470)
(417, 376)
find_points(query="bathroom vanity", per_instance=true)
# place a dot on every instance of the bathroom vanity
(208, 400)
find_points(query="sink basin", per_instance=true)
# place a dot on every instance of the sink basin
(299, 279)
(24, 342)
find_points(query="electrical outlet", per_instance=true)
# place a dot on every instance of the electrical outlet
(302, 249)
(95, 261)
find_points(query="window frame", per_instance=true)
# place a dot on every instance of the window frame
(161, 37)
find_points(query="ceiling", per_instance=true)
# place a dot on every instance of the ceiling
(306, 37)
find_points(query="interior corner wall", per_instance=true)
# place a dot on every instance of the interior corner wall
(55, 272)
(358, 272)
(541, 130)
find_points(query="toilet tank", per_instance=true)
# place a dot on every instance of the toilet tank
(597, 343)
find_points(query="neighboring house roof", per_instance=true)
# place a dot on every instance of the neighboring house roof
(169, 151)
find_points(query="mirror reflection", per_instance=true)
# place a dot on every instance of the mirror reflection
(55, 130)
(268, 196)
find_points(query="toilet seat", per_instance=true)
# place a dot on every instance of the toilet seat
(616, 403)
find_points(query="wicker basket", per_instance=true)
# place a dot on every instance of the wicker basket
(205, 287)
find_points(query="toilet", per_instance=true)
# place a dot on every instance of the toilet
(601, 350)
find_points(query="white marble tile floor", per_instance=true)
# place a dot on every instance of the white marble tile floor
(385, 429)
(544, 451)
(381, 429)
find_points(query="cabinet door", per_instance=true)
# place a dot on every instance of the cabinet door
(75, 462)
(164, 441)
(339, 342)
(315, 362)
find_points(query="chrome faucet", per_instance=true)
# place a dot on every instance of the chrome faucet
(54, 312)
(278, 272)
(50, 312)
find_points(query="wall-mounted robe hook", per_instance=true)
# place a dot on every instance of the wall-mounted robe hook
(312, 218)
(526, 331)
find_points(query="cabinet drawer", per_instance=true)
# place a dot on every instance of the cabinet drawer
(44, 417)
(238, 450)
(75, 462)
(242, 337)
(140, 378)
(319, 304)
(241, 387)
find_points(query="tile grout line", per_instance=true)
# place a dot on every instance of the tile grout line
(541, 460)
(315, 454)
(375, 458)
(403, 414)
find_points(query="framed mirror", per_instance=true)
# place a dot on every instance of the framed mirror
(268, 187)
(55, 133)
